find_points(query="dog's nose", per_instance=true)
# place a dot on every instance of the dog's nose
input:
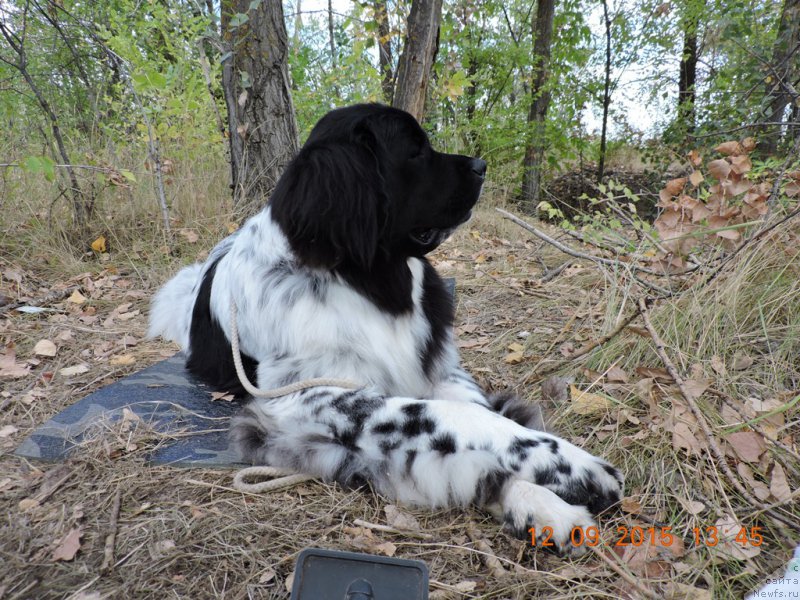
(478, 167)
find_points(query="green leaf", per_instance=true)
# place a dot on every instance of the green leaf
(127, 175)
(238, 20)
(254, 5)
(40, 164)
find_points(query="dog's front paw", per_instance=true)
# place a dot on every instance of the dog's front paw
(583, 479)
(526, 505)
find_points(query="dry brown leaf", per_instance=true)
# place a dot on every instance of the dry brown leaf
(587, 403)
(741, 362)
(696, 178)
(123, 360)
(693, 507)
(675, 186)
(760, 490)
(190, 235)
(226, 396)
(728, 529)
(266, 576)
(513, 358)
(69, 545)
(400, 519)
(617, 375)
(10, 368)
(696, 387)
(76, 370)
(748, 445)
(77, 298)
(631, 506)
(779, 485)
(719, 168)
(684, 428)
(7, 431)
(680, 591)
(99, 245)
(730, 148)
(27, 504)
(516, 347)
(657, 373)
(45, 348)
(748, 144)
(718, 365)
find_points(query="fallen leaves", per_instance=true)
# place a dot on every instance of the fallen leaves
(45, 347)
(9, 367)
(74, 370)
(588, 403)
(69, 545)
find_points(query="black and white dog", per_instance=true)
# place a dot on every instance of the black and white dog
(330, 280)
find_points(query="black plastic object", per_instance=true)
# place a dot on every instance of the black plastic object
(336, 575)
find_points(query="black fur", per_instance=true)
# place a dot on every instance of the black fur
(210, 358)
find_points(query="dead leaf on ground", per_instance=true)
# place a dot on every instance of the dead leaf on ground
(760, 490)
(225, 396)
(400, 519)
(588, 403)
(7, 431)
(728, 529)
(514, 358)
(748, 445)
(617, 375)
(741, 362)
(684, 430)
(69, 545)
(77, 298)
(657, 373)
(45, 348)
(75, 370)
(779, 485)
(10, 368)
(681, 591)
(123, 360)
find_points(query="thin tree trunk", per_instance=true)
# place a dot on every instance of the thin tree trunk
(687, 78)
(601, 162)
(540, 103)
(419, 55)
(784, 70)
(261, 121)
(384, 50)
(331, 39)
(81, 209)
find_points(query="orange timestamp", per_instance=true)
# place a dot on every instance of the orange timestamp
(638, 536)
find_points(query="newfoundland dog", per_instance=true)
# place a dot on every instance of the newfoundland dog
(330, 279)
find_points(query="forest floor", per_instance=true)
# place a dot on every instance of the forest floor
(106, 524)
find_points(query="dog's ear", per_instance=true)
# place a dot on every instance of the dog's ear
(330, 204)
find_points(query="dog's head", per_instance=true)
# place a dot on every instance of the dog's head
(367, 187)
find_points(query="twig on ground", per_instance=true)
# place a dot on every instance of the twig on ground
(488, 557)
(572, 252)
(719, 456)
(584, 350)
(388, 529)
(517, 288)
(638, 585)
(47, 299)
(551, 274)
(111, 537)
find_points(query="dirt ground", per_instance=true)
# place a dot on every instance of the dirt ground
(108, 525)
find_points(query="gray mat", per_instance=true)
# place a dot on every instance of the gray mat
(166, 397)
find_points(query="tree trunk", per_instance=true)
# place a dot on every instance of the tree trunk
(255, 78)
(601, 162)
(385, 50)
(540, 102)
(688, 71)
(331, 38)
(783, 70)
(419, 54)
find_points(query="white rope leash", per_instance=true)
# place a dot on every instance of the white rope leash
(286, 389)
(283, 478)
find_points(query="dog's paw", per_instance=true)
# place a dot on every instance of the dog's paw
(526, 505)
(581, 478)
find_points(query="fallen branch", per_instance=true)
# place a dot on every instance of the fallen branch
(575, 253)
(637, 584)
(698, 414)
(584, 350)
(488, 557)
(41, 302)
(111, 537)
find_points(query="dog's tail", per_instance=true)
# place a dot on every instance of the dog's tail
(171, 310)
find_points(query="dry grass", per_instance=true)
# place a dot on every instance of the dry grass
(185, 533)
